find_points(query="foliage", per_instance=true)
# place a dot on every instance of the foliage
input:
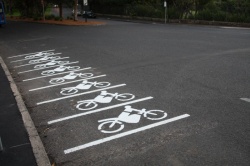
(217, 10)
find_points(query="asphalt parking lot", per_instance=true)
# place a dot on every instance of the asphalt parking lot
(134, 94)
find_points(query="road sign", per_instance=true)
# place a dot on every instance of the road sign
(85, 2)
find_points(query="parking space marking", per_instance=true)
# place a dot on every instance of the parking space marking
(100, 141)
(66, 83)
(99, 110)
(28, 64)
(31, 53)
(56, 74)
(46, 67)
(33, 58)
(245, 99)
(79, 94)
(104, 98)
(129, 115)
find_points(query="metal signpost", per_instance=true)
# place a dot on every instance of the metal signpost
(43, 10)
(165, 5)
(85, 4)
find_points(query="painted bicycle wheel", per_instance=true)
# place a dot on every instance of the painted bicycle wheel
(34, 61)
(73, 67)
(85, 75)
(56, 80)
(48, 72)
(63, 62)
(102, 84)
(68, 91)
(125, 97)
(86, 105)
(40, 66)
(105, 127)
(54, 57)
(155, 114)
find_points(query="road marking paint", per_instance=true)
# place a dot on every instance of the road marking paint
(46, 67)
(100, 141)
(56, 74)
(30, 54)
(28, 64)
(235, 28)
(245, 99)
(33, 58)
(99, 110)
(66, 83)
(79, 94)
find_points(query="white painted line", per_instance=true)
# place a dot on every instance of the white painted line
(245, 99)
(66, 83)
(99, 110)
(100, 141)
(33, 58)
(235, 28)
(28, 64)
(57, 74)
(30, 54)
(46, 67)
(79, 94)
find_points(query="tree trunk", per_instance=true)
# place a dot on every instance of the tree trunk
(60, 10)
(75, 10)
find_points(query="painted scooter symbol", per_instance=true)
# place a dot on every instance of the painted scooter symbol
(70, 76)
(113, 125)
(83, 86)
(104, 97)
(39, 54)
(60, 69)
(51, 63)
(45, 58)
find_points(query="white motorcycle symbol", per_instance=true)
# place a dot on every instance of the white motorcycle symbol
(51, 63)
(60, 69)
(45, 58)
(83, 86)
(70, 76)
(40, 54)
(104, 97)
(113, 125)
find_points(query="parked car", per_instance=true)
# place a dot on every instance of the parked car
(2, 14)
(90, 14)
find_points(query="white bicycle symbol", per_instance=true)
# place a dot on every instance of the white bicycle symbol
(104, 97)
(113, 125)
(60, 69)
(45, 58)
(51, 63)
(40, 54)
(70, 76)
(83, 86)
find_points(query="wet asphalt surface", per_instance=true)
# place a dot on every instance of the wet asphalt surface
(199, 71)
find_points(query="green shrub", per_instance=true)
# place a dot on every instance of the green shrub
(50, 17)
(35, 18)
(173, 13)
(57, 18)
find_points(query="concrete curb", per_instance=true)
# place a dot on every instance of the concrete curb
(36, 143)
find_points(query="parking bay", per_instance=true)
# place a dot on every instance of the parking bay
(186, 85)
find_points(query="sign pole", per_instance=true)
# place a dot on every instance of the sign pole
(43, 10)
(85, 3)
(165, 5)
